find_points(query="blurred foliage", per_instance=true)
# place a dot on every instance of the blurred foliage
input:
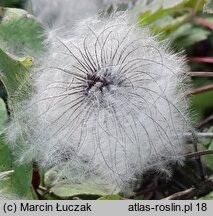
(12, 3)
(178, 24)
(186, 26)
(167, 20)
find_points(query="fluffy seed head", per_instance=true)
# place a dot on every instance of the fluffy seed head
(108, 104)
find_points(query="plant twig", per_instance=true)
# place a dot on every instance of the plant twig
(206, 121)
(180, 195)
(205, 59)
(203, 189)
(200, 90)
(200, 135)
(198, 160)
(200, 74)
(203, 22)
(198, 154)
(147, 190)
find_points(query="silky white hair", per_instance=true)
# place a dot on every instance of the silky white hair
(107, 105)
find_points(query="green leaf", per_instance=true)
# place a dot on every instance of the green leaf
(111, 197)
(195, 4)
(149, 16)
(68, 190)
(50, 177)
(82, 191)
(155, 4)
(201, 102)
(207, 197)
(3, 115)
(187, 35)
(208, 142)
(168, 18)
(168, 24)
(211, 144)
(13, 75)
(181, 32)
(20, 33)
(5, 156)
(19, 182)
(208, 159)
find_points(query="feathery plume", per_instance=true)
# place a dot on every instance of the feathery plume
(107, 105)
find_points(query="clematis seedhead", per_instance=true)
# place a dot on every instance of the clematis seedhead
(107, 104)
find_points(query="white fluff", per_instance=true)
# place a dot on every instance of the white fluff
(108, 104)
(63, 14)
